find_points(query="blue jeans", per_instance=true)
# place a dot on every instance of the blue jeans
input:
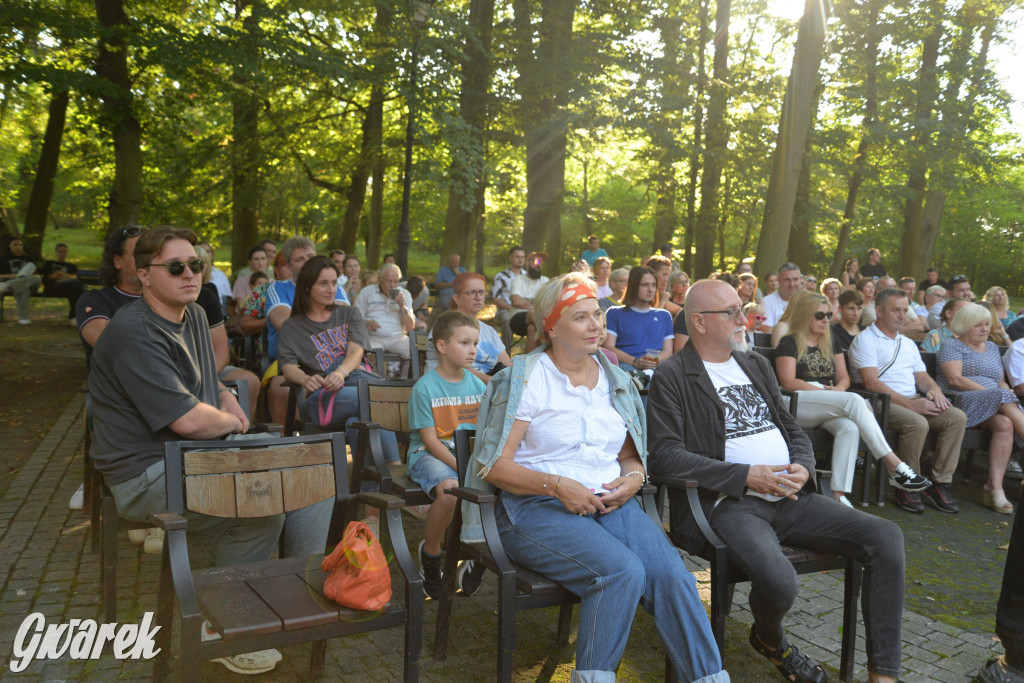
(612, 562)
(753, 528)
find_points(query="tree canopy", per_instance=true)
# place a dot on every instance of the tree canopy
(714, 125)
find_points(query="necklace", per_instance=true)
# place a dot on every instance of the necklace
(586, 371)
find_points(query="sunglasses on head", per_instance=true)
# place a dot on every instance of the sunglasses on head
(175, 268)
(821, 315)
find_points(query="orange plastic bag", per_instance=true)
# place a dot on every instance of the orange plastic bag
(357, 571)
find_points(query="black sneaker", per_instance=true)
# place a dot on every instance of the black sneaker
(911, 502)
(907, 479)
(430, 570)
(471, 575)
(940, 496)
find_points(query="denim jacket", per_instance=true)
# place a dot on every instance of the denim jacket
(498, 411)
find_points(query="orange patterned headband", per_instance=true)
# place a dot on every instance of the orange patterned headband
(570, 295)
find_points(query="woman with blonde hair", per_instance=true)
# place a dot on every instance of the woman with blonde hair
(970, 363)
(781, 328)
(830, 289)
(562, 434)
(809, 363)
(678, 286)
(1000, 304)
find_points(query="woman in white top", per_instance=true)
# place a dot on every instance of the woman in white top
(569, 468)
(810, 364)
(602, 270)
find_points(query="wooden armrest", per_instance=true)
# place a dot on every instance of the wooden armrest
(169, 520)
(381, 501)
(472, 495)
(673, 482)
(364, 425)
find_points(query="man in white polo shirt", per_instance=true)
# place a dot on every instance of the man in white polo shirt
(775, 304)
(889, 363)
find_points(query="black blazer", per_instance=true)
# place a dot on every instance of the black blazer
(686, 435)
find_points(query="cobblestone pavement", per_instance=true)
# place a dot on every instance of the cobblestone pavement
(45, 557)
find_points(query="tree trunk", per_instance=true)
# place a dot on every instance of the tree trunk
(543, 86)
(245, 143)
(46, 173)
(800, 234)
(373, 237)
(698, 134)
(112, 66)
(715, 147)
(469, 164)
(797, 118)
(920, 153)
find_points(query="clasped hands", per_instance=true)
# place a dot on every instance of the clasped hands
(784, 481)
(580, 500)
(931, 403)
(332, 382)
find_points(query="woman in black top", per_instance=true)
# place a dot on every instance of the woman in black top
(809, 364)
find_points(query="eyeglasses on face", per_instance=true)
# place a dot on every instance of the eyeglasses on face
(473, 292)
(821, 315)
(733, 314)
(175, 268)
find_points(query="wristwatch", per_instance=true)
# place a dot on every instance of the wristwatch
(231, 390)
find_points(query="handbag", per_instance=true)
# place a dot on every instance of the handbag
(357, 571)
(320, 403)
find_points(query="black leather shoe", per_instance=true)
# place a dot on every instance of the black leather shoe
(940, 496)
(911, 502)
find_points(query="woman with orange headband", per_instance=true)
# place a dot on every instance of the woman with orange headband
(562, 433)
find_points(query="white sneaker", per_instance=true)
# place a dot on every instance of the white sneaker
(845, 501)
(77, 501)
(25, 321)
(138, 536)
(249, 663)
(154, 543)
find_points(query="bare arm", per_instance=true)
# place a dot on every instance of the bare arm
(679, 341)
(521, 303)
(91, 330)
(206, 422)
(666, 350)
(278, 315)
(624, 358)
(251, 325)
(221, 352)
(841, 382)
(954, 372)
(785, 368)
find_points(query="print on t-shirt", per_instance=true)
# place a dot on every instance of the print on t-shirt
(746, 413)
(451, 411)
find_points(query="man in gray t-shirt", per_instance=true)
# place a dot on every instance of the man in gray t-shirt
(153, 379)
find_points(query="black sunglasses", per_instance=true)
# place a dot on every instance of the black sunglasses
(175, 268)
(821, 315)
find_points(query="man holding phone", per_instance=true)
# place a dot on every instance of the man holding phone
(387, 309)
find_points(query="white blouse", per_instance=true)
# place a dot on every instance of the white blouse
(574, 432)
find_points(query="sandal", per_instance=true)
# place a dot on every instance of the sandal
(800, 667)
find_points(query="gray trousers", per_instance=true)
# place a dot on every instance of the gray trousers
(21, 289)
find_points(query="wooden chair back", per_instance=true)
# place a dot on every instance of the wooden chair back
(418, 344)
(255, 478)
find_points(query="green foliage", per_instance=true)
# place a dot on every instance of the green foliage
(634, 91)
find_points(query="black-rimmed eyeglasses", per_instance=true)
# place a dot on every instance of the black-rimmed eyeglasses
(176, 268)
(733, 314)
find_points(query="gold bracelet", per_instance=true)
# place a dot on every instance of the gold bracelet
(558, 482)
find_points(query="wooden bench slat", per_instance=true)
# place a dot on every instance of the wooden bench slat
(258, 494)
(256, 459)
(235, 610)
(384, 393)
(211, 495)
(298, 603)
(258, 570)
(304, 486)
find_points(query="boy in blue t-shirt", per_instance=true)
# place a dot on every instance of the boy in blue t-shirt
(443, 400)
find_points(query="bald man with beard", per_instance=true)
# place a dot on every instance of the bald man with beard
(715, 415)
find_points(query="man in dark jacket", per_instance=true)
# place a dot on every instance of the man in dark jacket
(715, 415)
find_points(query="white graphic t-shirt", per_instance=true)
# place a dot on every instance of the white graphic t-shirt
(751, 438)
